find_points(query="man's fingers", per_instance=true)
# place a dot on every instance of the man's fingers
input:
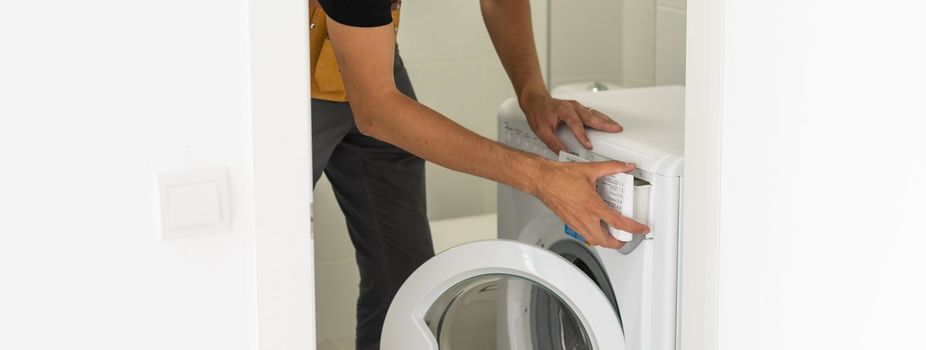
(600, 234)
(551, 140)
(612, 167)
(581, 225)
(621, 222)
(578, 129)
(597, 120)
(593, 233)
(607, 120)
(601, 122)
(582, 229)
(612, 243)
(608, 241)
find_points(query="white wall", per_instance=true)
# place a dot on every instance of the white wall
(98, 98)
(821, 155)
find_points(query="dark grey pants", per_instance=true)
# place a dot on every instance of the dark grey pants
(381, 190)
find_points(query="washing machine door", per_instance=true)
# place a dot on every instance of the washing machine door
(500, 294)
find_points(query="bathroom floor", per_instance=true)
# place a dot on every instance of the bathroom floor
(336, 344)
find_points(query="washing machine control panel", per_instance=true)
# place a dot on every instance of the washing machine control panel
(524, 140)
(518, 135)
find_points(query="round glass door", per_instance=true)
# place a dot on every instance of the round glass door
(504, 312)
(500, 294)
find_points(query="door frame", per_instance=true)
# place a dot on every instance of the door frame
(284, 253)
(699, 241)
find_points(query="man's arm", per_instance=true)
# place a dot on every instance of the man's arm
(509, 26)
(366, 56)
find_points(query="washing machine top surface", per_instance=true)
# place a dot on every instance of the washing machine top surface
(653, 119)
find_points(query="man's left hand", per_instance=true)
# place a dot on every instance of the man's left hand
(545, 114)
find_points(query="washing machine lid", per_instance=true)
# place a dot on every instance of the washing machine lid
(419, 315)
(653, 119)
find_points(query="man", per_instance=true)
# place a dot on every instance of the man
(372, 147)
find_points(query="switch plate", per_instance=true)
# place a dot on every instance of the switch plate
(194, 203)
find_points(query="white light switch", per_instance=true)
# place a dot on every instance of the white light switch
(194, 203)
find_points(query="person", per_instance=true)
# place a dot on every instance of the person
(371, 137)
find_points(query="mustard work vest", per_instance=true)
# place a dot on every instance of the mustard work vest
(325, 80)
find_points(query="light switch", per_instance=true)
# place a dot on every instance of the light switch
(194, 203)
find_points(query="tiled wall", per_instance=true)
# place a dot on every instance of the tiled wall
(455, 71)
(654, 42)
(670, 41)
(586, 41)
(624, 42)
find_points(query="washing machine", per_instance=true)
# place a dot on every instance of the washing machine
(540, 286)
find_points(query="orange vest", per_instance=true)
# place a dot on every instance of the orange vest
(325, 80)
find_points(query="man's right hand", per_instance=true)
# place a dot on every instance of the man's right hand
(568, 189)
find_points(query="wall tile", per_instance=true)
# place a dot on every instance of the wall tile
(677, 4)
(610, 75)
(326, 344)
(331, 240)
(460, 90)
(454, 194)
(451, 88)
(633, 81)
(453, 232)
(343, 343)
(639, 39)
(586, 41)
(446, 30)
(670, 46)
(336, 299)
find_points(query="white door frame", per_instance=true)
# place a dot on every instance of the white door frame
(284, 271)
(701, 203)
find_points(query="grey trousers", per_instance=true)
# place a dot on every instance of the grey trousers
(381, 190)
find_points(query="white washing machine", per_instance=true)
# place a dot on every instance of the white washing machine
(540, 287)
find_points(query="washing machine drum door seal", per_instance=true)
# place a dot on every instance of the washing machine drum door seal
(500, 295)
(581, 256)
